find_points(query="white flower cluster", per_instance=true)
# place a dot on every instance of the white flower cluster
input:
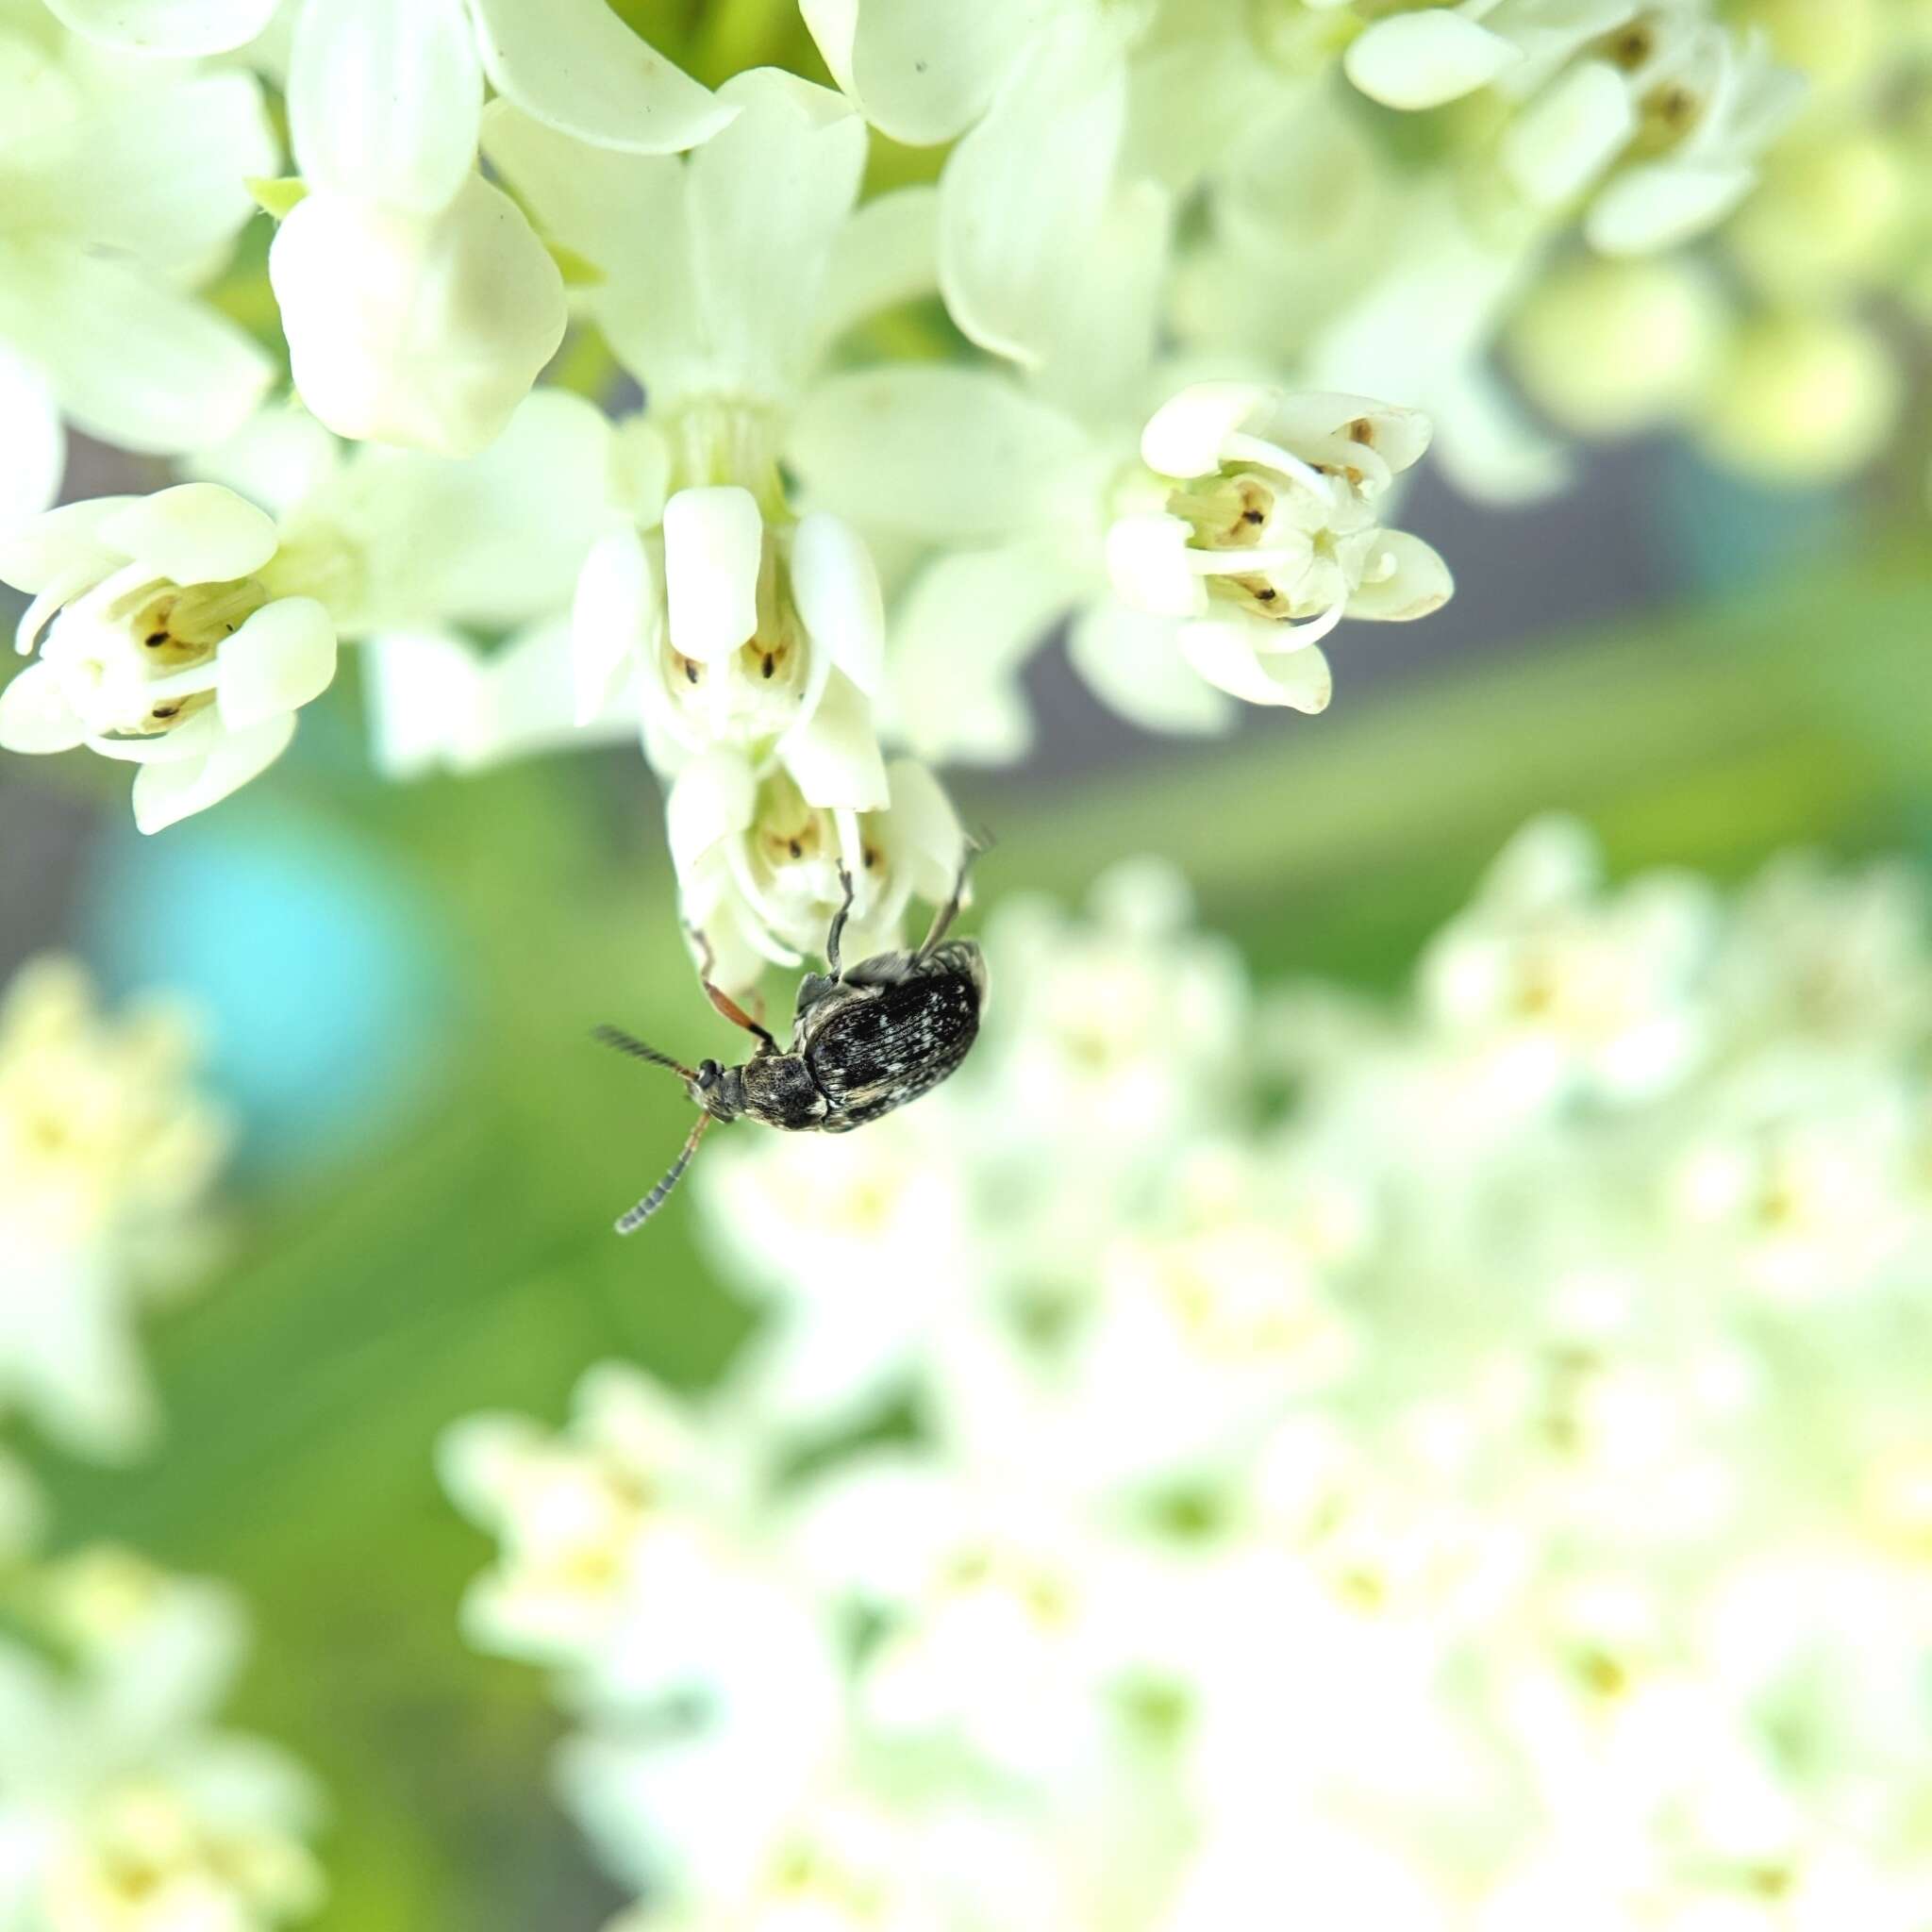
(107, 1151)
(1191, 291)
(123, 1808)
(1492, 1491)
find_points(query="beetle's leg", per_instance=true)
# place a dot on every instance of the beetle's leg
(719, 998)
(839, 918)
(945, 917)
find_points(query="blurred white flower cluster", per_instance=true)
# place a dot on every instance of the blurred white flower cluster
(1459, 1465)
(107, 1152)
(122, 1807)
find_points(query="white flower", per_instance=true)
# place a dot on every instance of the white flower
(1267, 534)
(1837, 958)
(1711, 102)
(758, 865)
(417, 302)
(1001, 1621)
(410, 552)
(720, 616)
(852, 1252)
(1599, 81)
(123, 193)
(1423, 59)
(581, 1514)
(107, 1153)
(177, 638)
(1555, 988)
(731, 630)
(1802, 1170)
(1056, 497)
(120, 1804)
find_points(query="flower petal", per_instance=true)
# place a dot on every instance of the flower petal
(1418, 583)
(834, 755)
(836, 587)
(31, 435)
(181, 28)
(424, 690)
(133, 363)
(1224, 653)
(384, 99)
(573, 65)
(61, 543)
(1662, 205)
(284, 656)
(1132, 661)
(279, 458)
(923, 70)
(1557, 143)
(421, 330)
(1183, 437)
(1303, 417)
(1147, 563)
(712, 798)
(35, 715)
(923, 831)
(1424, 60)
(959, 639)
(165, 187)
(165, 794)
(885, 254)
(766, 201)
(959, 454)
(615, 617)
(193, 533)
(1022, 193)
(495, 540)
(713, 544)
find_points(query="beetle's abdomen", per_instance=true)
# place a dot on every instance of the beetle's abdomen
(877, 1053)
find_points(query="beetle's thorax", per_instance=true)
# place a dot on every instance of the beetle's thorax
(779, 1089)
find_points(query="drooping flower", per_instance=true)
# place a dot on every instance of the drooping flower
(757, 865)
(721, 615)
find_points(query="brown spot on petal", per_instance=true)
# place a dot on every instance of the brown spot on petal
(1633, 47)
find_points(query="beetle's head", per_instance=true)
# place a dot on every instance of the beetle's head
(720, 1091)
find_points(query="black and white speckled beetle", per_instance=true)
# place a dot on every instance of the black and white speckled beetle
(862, 1042)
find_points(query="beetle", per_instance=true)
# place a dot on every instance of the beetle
(863, 1041)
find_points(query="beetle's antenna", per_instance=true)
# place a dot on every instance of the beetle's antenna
(634, 1218)
(625, 1043)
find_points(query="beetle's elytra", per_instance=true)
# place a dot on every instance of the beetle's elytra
(862, 1042)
